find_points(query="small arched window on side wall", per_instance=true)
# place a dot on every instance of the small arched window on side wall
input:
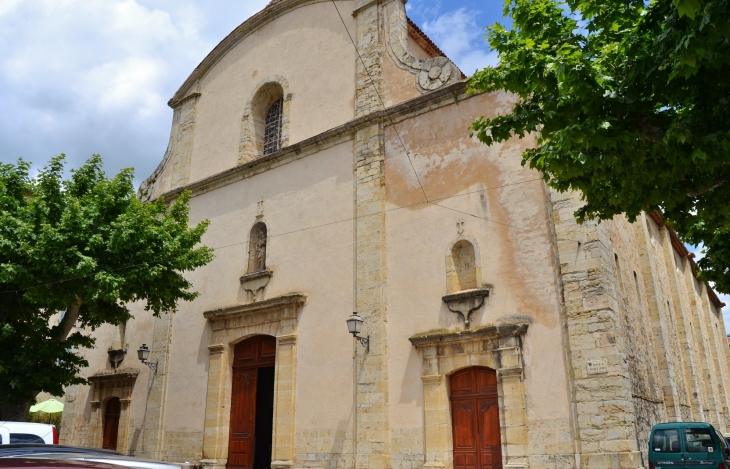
(257, 248)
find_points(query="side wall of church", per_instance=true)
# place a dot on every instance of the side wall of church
(633, 305)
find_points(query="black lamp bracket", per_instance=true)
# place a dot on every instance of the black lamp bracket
(364, 341)
(152, 366)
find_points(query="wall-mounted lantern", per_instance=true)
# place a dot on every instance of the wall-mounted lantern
(354, 325)
(144, 353)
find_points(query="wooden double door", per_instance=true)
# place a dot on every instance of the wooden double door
(252, 404)
(475, 419)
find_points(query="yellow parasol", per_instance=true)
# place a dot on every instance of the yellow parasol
(51, 406)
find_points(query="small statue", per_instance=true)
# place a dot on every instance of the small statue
(261, 254)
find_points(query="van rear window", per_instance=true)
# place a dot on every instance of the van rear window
(698, 440)
(25, 438)
(665, 441)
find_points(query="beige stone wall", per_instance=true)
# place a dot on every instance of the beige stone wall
(503, 207)
(79, 417)
(306, 45)
(307, 193)
(310, 48)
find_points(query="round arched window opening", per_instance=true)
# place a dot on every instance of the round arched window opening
(272, 129)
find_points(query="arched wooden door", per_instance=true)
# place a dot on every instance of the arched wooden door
(111, 423)
(475, 419)
(252, 404)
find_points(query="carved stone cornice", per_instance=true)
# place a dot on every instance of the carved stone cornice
(124, 374)
(288, 303)
(487, 332)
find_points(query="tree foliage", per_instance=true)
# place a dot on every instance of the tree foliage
(629, 99)
(84, 247)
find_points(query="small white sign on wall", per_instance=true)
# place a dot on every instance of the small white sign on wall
(596, 367)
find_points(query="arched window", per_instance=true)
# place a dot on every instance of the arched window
(257, 248)
(265, 123)
(272, 133)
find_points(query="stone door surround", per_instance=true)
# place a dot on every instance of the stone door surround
(444, 352)
(104, 386)
(277, 317)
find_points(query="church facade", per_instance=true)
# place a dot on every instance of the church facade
(328, 144)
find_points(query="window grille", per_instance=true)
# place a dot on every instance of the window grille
(272, 134)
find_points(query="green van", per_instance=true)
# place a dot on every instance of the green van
(691, 445)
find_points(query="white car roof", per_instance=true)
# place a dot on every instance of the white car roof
(28, 426)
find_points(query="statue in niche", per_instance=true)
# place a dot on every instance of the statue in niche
(257, 248)
(261, 254)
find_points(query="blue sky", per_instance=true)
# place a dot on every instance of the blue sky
(94, 76)
(458, 27)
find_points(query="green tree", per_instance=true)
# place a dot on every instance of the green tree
(84, 248)
(629, 100)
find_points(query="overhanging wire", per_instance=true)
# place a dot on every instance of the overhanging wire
(375, 88)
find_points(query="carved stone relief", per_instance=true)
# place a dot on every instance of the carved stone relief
(430, 74)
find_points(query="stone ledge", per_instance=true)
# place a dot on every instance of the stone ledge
(256, 275)
(445, 336)
(292, 299)
(113, 375)
(466, 295)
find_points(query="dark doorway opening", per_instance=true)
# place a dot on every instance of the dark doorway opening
(111, 423)
(264, 418)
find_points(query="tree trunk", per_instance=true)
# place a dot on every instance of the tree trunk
(16, 411)
(69, 320)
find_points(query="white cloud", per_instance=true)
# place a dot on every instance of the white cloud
(461, 39)
(94, 76)
(8, 6)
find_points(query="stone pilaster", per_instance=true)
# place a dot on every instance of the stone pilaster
(689, 404)
(372, 433)
(215, 442)
(606, 421)
(664, 337)
(183, 141)
(715, 390)
(370, 45)
(284, 406)
(154, 422)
